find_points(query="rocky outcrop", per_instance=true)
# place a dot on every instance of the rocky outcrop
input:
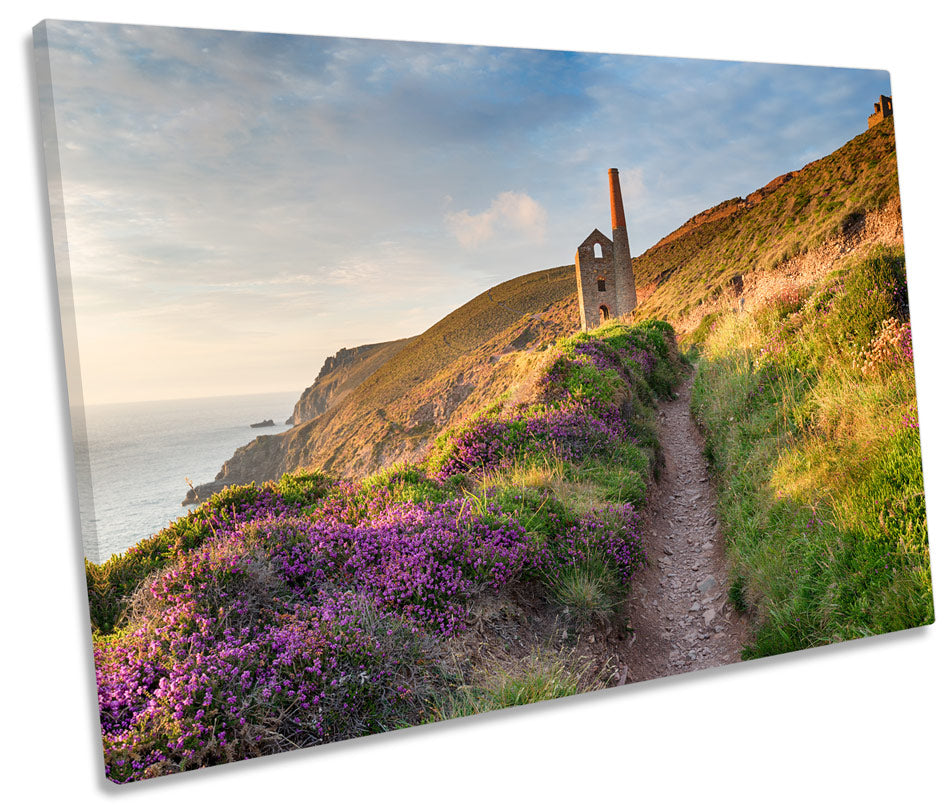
(258, 461)
(340, 375)
(729, 207)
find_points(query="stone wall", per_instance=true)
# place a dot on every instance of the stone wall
(883, 108)
(593, 273)
(606, 288)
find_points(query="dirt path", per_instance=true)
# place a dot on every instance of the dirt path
(679, 608)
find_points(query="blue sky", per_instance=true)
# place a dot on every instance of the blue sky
(238, 206)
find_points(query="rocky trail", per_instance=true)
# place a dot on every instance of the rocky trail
(678, 607)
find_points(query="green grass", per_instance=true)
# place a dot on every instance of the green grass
(539, 678)
(822, 202)
(818, 463)
(590, 590)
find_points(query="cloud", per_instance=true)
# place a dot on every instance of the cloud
(510, 212)
(216, 180)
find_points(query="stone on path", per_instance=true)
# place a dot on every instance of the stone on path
(709, 583)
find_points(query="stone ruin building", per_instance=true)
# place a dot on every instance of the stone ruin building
(882, 109)
(605, 285)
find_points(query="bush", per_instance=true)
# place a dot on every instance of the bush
(875, 291)
(308, 610)
(110, 584)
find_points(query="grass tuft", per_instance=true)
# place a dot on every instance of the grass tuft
(590, 590)
(538, 678)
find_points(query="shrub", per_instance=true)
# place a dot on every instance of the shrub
(110, 584)
(202, 689)
(873, 292)
(308, 610)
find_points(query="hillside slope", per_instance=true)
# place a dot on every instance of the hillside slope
(456, 366)
(307, 611)
(824, 208)
(798, 225)
(340, 375)
(810, 415)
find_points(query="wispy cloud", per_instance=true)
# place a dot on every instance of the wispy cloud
(216, 180)
(513, 212)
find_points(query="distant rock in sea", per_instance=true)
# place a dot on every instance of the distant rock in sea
(263, 424)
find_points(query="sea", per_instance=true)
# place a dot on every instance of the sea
(134, 467)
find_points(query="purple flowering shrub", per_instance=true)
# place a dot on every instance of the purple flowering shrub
(110, 584)
(288, 631)
(194, 686)
(423, 561)
(612, 534)
(590, 400)
(565, 430)
(285, 616)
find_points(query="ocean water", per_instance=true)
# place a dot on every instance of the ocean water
(141, 454)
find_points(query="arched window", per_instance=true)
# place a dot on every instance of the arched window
(604, 313)
(601, 284)
(598, 251)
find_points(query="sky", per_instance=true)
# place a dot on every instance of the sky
(239, 206)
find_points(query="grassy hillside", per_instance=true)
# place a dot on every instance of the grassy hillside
(810, 415)
(438, 378)
(826, 201)
(805, 390)
(311, 610)
(340, 375)
(445, 374)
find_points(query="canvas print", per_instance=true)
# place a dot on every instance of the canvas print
(413, 381)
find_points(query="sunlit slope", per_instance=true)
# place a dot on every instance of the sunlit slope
(824, 201)
(478, 351)
(474, 353)
(340, 375)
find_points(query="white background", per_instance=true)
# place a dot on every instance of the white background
(862, 724)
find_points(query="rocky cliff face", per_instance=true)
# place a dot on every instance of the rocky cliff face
(340, 375)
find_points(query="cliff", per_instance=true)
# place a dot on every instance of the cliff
(435, 380)
(340, 375)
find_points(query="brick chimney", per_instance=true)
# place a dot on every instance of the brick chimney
(626, 285)
(617, 219)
